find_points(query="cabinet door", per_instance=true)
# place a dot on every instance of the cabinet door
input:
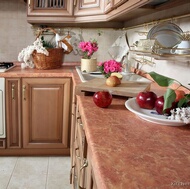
(13, 113)
(119, 2)
(89, 7)
(50, 7)
(112, 4)
(108, 5)
(121, 7)
(46, 112)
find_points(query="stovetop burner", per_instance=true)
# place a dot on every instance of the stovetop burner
(5, 66)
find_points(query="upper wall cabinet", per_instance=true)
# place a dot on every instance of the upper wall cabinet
(78, 11)
(120, 7)
(102, 13)
(49, 11)
(88, 7)
(50, 7)
(112, 4)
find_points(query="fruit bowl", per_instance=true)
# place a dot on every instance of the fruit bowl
(151, 115)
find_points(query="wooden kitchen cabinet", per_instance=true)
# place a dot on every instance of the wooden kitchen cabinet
(50, 8)
(49, 11)
(81, 170)
(108, 5)
(89, 7)
(78, 11)
(112, 4)
(46, 107)
(98, 13)
(38, 113)
(13, 112)
(122, 7)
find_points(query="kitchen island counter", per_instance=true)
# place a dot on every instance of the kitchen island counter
(128, 152)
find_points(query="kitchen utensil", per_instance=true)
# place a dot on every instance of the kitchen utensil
(181, 48)
(164, 26)
(167, 38)
(145, 45)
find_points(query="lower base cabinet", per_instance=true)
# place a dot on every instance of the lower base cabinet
(81, 176)
(38, 113)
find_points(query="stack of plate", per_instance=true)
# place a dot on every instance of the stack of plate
(167, 35)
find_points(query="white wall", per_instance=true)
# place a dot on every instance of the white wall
(16, 33)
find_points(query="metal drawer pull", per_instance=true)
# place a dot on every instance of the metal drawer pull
(24, 91)
(85, 164)
(79, 118)
(78, 157)
(81, 187)
(13, 91)
(71, 174)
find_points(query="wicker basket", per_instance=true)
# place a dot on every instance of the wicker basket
(53, 61)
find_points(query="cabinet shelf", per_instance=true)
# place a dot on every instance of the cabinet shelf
(181, 57)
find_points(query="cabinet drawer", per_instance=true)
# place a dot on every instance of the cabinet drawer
(81, 138)
(80, 166)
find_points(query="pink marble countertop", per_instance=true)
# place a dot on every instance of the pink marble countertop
(65, 71)
(130, 153)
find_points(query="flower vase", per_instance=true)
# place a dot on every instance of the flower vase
(88, 65)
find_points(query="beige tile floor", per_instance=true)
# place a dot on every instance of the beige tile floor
(34, 173)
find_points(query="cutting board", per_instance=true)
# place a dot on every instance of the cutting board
(126, 88)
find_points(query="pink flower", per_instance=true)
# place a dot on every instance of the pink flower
(88, 48)
(109, 66)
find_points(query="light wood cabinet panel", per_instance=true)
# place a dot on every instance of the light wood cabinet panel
(124, 7)
(81, 169)
(119, 2)
(89, 7)
(46, 112)
(89, 176)
(13, 112)
(50, 7)
(108, 6)
(112, 4)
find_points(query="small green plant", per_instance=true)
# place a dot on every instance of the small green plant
(47, 44)
(170, 95)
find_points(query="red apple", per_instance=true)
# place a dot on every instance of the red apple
(159, 106)
(102, 99)
(146, 99)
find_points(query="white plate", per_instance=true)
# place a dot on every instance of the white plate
(167, 38)
(150, 115)
(164, 26)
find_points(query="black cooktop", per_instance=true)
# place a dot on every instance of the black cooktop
(5, 66)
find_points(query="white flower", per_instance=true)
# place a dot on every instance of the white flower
(180, 114)
(26, 54)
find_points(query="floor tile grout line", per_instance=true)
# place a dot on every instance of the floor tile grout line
(12, 172)
(47, 173)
